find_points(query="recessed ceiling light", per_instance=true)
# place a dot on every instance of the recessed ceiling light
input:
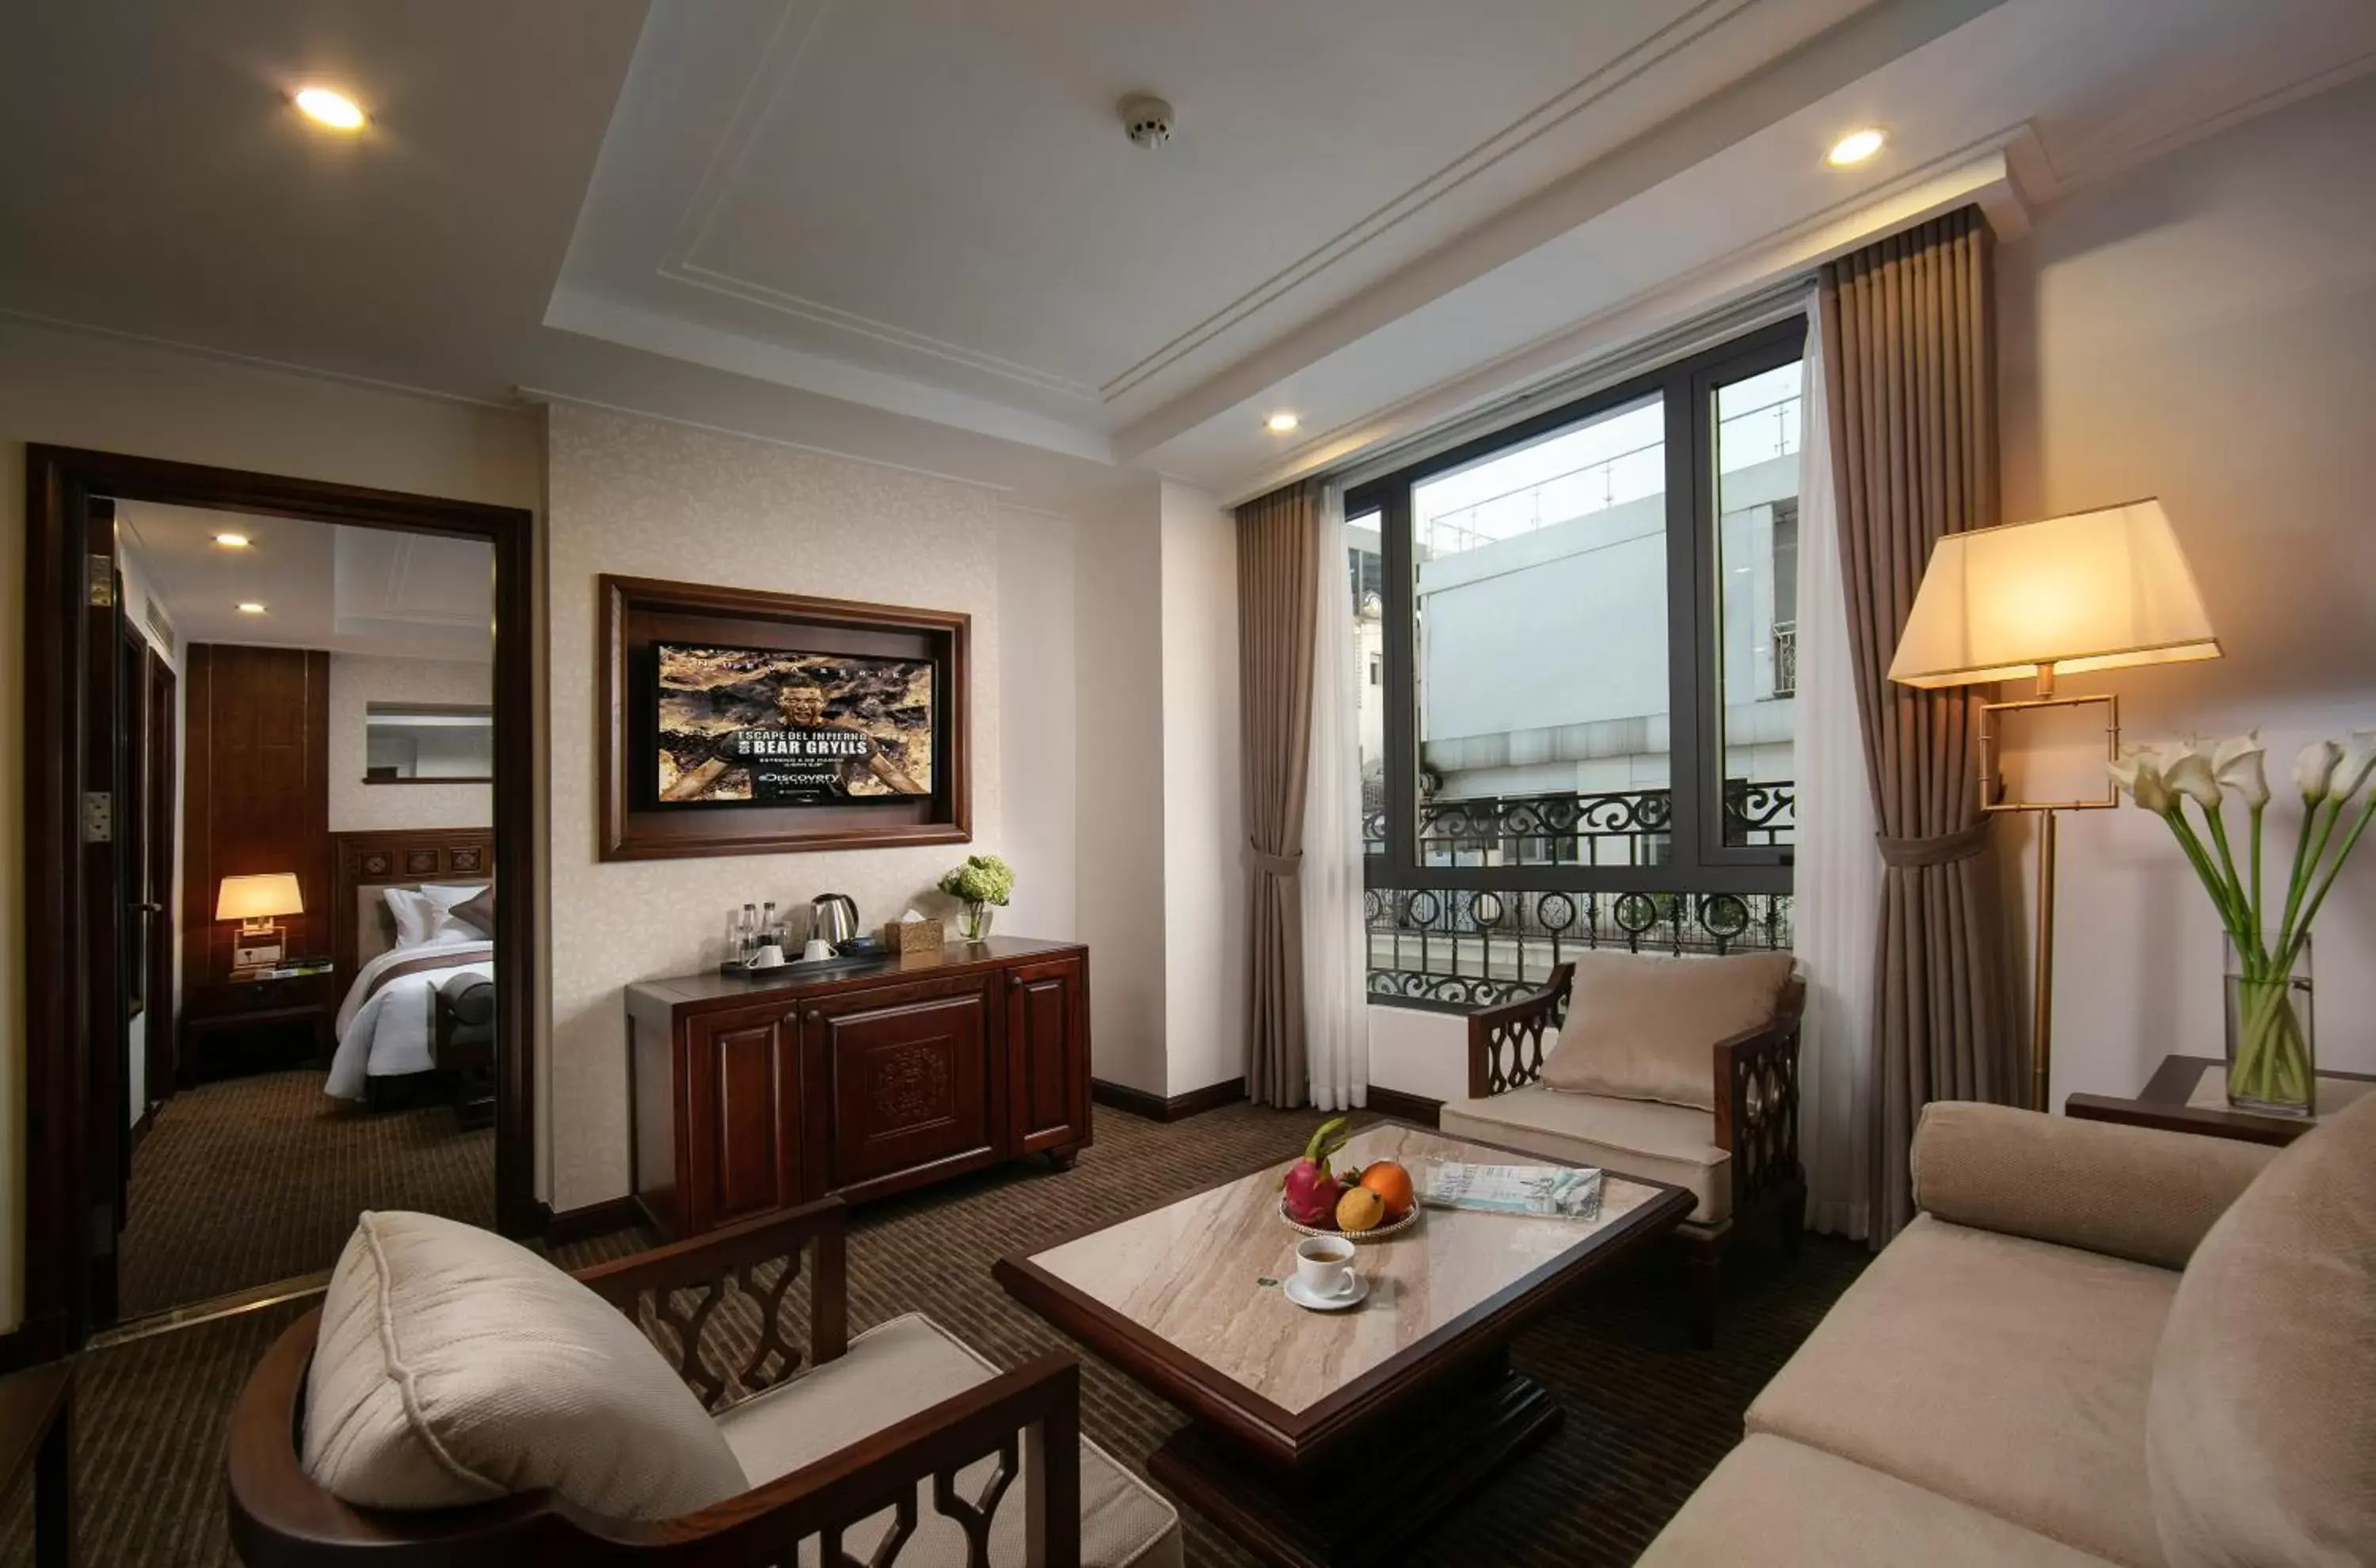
(233, 540)
(335, 110)
(249, 607)
(1281, 423)
(1855, 147)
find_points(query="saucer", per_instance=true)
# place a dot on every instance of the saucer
(1310, 1302)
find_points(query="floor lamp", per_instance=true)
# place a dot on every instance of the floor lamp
(2094, 590)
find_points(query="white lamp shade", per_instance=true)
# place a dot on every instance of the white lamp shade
(259, 898)
(2095, 590)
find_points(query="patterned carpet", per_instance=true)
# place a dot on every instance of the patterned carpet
(252, 1180)
(1646, 1417)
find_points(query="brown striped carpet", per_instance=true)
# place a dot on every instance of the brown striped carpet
(257, 1179)
(1646, 1417)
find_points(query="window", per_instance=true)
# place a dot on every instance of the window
(1586, 628)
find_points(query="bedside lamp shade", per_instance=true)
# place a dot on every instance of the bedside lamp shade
(253, 898)
(2094, 590)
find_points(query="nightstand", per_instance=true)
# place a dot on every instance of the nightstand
(244, 1024)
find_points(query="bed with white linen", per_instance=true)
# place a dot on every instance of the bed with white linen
(399, 941)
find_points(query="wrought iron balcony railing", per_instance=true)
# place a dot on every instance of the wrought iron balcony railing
(1786, 658)
(1462, 948)
(1613, 828)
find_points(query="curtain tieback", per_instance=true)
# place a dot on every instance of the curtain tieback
(1905, 854)
(1269, 864)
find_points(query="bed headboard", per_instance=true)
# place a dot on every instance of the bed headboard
(368, 864)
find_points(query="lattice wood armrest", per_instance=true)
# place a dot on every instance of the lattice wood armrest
(1757, 1100)
(1506, 1043)
(730, 1260)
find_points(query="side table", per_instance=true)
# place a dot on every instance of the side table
(2163, 1103)
(218, 1009)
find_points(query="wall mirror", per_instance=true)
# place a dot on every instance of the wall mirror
(428, 743)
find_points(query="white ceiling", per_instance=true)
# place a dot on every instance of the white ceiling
(914, 231)
(323, 585)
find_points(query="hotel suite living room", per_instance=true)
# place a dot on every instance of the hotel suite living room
(1513, 783)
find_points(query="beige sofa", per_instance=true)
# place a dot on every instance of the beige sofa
(2025, 1374)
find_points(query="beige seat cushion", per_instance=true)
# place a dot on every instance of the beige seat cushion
(1781, 1504)
(1641, 1027)
(453, 1366)
(2262, 1423)
(2003, 1372)
(891, 1372)
(1639, 1137)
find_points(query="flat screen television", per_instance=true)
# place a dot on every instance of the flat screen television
(770, 727)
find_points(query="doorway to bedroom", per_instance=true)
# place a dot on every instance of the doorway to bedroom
(302, 782)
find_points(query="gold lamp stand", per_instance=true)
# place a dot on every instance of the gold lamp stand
(2041, 1027)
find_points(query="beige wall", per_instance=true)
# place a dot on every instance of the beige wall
(1038, 702)
(76, 390)
(649, 499)
(2204, 329)
(357, 680)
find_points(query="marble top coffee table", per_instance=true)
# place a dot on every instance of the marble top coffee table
(1327, 1437)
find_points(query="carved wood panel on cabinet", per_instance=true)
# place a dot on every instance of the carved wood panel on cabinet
(910, 1070)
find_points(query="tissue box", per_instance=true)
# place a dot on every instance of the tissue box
(914, 936)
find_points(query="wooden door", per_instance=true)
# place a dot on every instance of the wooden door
(164, 767)
(1048, 1054)
(911, 1075)
(742, 1122)
(107, 1002)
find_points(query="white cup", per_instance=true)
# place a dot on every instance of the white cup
(818, 947)
(767, 958)
(1324, 1265)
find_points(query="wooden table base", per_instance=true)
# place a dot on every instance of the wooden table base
(1361, 1506)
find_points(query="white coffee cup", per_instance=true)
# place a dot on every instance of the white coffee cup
(1323, 1266)
(767, 958)
(817, 948)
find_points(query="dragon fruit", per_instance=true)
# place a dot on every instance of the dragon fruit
(1311, 1189)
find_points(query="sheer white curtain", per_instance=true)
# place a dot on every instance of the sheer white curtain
(1335, 1004)
(1837, 876)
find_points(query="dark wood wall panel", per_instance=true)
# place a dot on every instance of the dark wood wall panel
(256, 795)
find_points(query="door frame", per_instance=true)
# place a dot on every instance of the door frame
(61, 483)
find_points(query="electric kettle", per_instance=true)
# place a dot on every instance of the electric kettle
(833, 917)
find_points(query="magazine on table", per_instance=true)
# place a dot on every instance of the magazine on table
(1565, 1192)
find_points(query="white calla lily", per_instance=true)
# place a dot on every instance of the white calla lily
(2359, 762)
(2148, 788)
(2240, 763)
(2314, 770)
(2187, 770)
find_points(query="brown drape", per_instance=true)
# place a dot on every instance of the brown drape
(1911, 372)
(1279, 561)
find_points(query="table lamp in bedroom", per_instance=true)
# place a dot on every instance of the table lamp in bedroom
(257, 902)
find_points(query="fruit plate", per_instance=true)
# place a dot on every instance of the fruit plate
(1385, 1232)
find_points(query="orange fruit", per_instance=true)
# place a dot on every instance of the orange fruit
(1360, 1209)
(1392, 1185)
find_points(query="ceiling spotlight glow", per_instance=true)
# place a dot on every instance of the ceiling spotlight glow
(1281, 423)
(249, 607)
(233, 540)
(335, 110)
(1855, 147)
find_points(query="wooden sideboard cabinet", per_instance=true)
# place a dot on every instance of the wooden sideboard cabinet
(754, 1096)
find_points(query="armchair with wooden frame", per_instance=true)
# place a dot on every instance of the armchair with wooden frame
(1741, 1157)
(862, 1503)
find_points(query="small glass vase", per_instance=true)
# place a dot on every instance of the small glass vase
(2272, 1058)
(973, 921)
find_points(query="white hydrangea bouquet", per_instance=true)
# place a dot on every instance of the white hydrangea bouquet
(2271, 1060)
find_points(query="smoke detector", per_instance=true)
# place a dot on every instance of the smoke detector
(1148, 119)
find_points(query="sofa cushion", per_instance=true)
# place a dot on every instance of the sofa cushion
(894, 1370)
(2003, 1372)
(453, 1366)
(2262, 1424)
(1641, 1027)
(1640, 1137)
(1781, 1504)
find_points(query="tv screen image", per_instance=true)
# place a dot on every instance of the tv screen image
(765, 727)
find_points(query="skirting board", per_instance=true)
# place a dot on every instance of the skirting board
(1156, 1107)
(1407, 1107)
(594, 1219)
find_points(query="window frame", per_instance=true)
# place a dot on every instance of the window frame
(1700, 862)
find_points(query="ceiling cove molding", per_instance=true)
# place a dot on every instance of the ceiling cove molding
(1699, 22)
(788, 51)
(1636, 334)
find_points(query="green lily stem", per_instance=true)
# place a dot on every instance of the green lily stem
(2310, 848)
(2213, 883)
(2335, 869)
(2238, 900)
(2257, 907)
